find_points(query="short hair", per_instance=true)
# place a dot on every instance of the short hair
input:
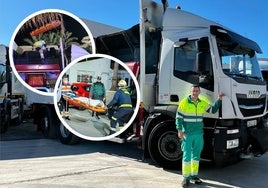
(195, 85)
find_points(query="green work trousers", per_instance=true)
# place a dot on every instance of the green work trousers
(191, 146)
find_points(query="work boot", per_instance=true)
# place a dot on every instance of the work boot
(196, 180)
(185, 182)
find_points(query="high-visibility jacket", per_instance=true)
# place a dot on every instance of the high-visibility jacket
(121, 99)
(189, 117)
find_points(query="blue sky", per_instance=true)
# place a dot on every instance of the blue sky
(246, 17)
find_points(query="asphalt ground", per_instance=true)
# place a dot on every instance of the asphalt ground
(28, 160)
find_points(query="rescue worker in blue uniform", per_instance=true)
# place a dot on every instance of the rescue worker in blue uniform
(122, 101)
(189, 123)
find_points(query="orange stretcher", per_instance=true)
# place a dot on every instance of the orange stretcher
(99, 109)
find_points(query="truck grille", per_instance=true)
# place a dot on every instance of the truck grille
(251, 106)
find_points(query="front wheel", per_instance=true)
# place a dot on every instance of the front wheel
(165, 146)
(66, 137)
(5, 117)
(47, 122)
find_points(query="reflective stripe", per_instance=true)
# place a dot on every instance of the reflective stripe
(192, 120)
(186, 169)
(189, 114)
(125, 106)
(194, 167)
(114, 118)
(113, 129)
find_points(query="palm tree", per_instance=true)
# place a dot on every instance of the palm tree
(34, 39)
(86, 44)
(50, 37)
(43, 19)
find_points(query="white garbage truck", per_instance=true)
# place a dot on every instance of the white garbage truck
(11, 93)
(174, 49)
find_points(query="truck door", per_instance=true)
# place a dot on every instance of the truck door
(192, 65)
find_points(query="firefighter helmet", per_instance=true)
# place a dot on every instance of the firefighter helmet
(122, 83)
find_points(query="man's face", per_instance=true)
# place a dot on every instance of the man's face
(65, 81)
(195, 91)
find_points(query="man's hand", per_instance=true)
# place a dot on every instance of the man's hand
(180, 134)
(220, 95)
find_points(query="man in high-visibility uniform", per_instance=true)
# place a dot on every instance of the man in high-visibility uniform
(122, 100)
(189, 123)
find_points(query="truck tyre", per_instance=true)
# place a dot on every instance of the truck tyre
(5, 116)
(66, 137)
(5, 123)
(165, 146)
(47, 122)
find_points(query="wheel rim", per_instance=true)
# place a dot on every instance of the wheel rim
(169, 146)
(44, 124)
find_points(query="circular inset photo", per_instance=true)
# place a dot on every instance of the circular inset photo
(44, 43)
(97, 97)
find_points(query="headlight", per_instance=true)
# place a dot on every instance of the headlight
(232, 143)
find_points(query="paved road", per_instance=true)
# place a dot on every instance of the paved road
(82, 122)
(35, 162)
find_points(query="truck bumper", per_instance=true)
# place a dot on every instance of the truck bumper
(226, 145)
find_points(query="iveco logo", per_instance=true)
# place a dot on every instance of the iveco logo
(253, 94)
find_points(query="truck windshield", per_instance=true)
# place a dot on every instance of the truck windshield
(241, 65)
(237, 54)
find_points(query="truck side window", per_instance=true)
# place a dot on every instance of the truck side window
(193, 66)
(185, 65)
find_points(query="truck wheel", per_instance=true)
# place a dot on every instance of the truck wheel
(165, 146)
(66, 137)
(5, 124)
(47, 122)
(5, 116)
